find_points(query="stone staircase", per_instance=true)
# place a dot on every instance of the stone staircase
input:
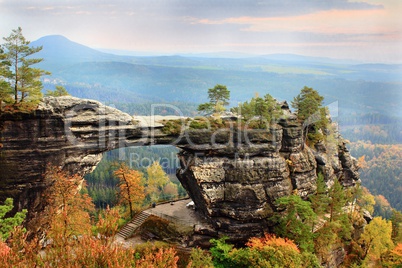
(133, 225)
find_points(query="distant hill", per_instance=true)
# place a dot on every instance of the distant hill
(86, 72)
(58, 52)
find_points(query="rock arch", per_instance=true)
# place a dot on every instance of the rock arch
(234, 175)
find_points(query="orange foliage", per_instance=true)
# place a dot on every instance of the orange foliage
(108, 222)
(18, 252)
(4, 250)
(67, 212)
(382, 201)
(272, 241)
(163, 258)
(131, 189)
(361, 162)
(398, 250)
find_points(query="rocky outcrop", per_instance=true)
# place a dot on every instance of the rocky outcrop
(236, 187)
(234, 175)
(66, 132)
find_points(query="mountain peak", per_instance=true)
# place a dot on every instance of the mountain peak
(58, 49)
(55, 37)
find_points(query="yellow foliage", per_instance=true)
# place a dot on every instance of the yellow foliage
(157, 180)
(376, 238)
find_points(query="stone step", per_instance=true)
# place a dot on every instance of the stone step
(133, 225)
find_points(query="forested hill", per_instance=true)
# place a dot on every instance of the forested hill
(127, 80)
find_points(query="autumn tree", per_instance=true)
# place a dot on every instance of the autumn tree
(266, 251)
(7, 224)
(200, 259)
(131, 190)
(156, 182)
(376, 238)
(68, 207)
(108, 222)
(21, 76)
(393, 258)
(218, 99)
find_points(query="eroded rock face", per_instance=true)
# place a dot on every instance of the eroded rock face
(67, 132)
(233, 175)
(236, 188)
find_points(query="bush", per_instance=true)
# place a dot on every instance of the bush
(172, 127)
(200, 259)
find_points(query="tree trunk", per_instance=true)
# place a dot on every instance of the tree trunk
(16, 79)
(130, 203)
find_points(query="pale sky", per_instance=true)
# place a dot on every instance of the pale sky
(366, 30)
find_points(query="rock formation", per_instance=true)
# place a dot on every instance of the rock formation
(67, 132)
(234, 175)
(236, 187)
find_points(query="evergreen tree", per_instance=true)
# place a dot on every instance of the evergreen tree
(320, 200)
(23, 79)
(218, 99)
(59, 91)
(308, 105)
(264, 109)
(5, 88)
(396, 220)
(7, 224)
(296, 221)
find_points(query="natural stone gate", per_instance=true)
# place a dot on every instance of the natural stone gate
(233, 174)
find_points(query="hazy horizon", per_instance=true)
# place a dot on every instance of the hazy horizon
(361, 30)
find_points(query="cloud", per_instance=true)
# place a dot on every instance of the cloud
(333, 21)
(212, 9)
(212, 25)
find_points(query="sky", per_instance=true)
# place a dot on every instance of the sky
(363, 30)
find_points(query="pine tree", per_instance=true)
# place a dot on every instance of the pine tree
(396, 220)
(296, 221)
(5, 88)
(308, 105)
(23, 79)
(320, 200)
(59, 91)
(218, 99)
(265, 109)
(7, 224)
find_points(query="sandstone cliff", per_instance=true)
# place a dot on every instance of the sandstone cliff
(236, 185)
(234, 175)
(67, 132)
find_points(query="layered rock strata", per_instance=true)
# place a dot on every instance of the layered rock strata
(66, 132)
(236, 187)
(234, 175)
